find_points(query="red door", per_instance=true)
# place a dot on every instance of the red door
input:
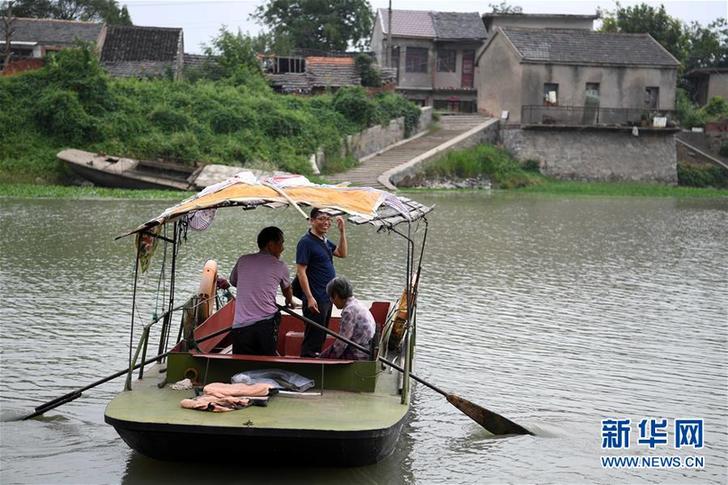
(468, 65)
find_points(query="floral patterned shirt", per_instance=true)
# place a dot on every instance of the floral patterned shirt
(357, 324)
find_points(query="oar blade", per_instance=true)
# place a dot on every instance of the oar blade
(492, 422)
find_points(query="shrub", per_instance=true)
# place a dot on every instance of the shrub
(169, 120)
(716, 108)
(687, 113)
(59, 114)
(369, 75)
(355, 105)
(393, 106)
(702, 175)
(483, 160)
(723, 150)
(228, 120)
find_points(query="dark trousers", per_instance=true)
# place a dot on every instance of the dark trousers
(313, 338)
(258, 338)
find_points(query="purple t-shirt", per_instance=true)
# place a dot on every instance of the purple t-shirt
(257, 277)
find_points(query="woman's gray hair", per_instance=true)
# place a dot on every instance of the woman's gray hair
(341, 287)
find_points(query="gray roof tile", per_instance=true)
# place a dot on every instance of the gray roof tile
(572, 46)
(458, 25)
(52, 32)
(133, 43)
(408, 23)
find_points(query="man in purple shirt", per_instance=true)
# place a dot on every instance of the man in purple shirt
(257, 277)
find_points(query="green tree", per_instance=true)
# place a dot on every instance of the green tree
(90, 10)
(318, 24)
(668, 31)
(235, 58)
(707, 46)
(504, 7)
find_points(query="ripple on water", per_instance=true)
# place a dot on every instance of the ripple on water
(554, 312)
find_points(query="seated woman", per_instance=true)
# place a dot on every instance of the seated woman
(357, 324)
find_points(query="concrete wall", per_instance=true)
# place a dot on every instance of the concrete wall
(414, 79)
(376, 138)
(607, 155)
(718, 86)
(453, 80)
(499, 74)
(406, 175)
(377, 43)
(619, 87)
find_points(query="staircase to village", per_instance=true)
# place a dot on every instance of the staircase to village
(446, 129)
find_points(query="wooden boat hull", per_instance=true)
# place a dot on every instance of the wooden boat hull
(263, 446)
(126, 173)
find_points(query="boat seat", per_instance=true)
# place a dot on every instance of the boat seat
(271, 359)
(294, 340)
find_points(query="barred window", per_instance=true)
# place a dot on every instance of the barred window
(446, 60)
(416, 59)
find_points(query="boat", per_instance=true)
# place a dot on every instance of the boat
(128, 173)
(355, 412)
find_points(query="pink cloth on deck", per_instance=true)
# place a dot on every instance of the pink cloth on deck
(220, 389)
(215, 404)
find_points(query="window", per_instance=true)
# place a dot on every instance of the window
(652, 97)
(446, 60)
(592, 91)
(550, 94)
(416, 59)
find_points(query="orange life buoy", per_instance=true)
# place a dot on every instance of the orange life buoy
(207, 290)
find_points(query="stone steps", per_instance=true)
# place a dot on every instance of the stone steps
(367, 173)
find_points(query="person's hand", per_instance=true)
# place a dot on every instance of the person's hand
(340, 223)
(313, 306)
(291, 304)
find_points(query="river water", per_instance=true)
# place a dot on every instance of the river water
(555, 312)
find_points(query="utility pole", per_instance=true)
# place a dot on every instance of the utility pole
(8, 21)
(389, 35)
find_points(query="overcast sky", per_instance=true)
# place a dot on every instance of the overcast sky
(201, 19)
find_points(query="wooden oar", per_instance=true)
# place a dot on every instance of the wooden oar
(78, 392)
(492, 422)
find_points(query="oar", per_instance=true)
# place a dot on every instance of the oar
(492, 422)
(77, 393)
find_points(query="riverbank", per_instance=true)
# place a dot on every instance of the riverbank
(548, 187)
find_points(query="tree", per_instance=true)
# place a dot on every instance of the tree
(330, 25)
(8, 20)
(504, 7)
(707, 46)
(668, 31)
(90, 10)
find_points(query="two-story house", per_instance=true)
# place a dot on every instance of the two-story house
(434, 55)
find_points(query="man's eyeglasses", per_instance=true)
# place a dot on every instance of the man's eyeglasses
(323, 219)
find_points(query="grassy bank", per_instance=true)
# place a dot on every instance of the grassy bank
(619, 189)
(485, 160)
(547, 187)
(235, 120)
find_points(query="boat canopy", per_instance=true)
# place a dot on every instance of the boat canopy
(362, 204)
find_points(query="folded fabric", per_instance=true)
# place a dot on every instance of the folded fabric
(220, 389)
(215, 404)
(276, 378)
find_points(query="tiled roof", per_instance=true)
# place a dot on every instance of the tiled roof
(140, 69)
(52, 32)
(198, 60)
(408, 23)
(574, 46)
(132, 43)
(458, 25)
(321, 72)
(434, 25)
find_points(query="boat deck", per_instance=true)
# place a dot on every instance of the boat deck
(333, 410)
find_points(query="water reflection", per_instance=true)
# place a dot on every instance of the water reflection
(555, 312)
